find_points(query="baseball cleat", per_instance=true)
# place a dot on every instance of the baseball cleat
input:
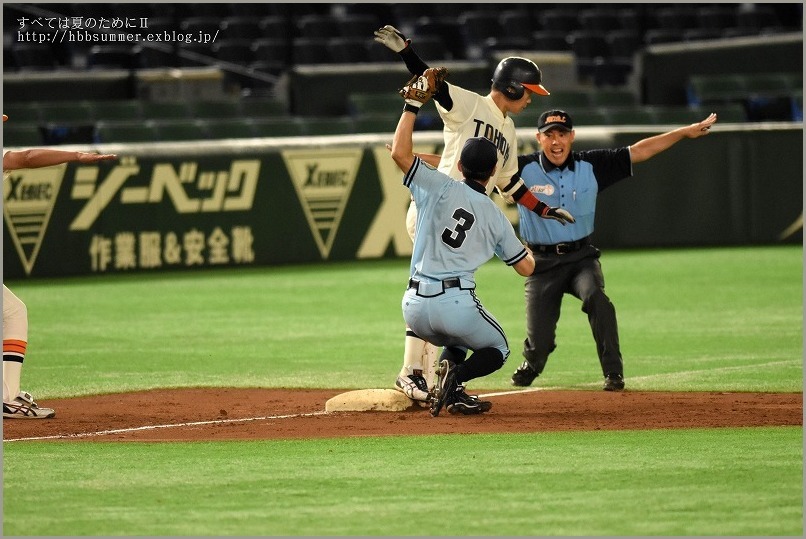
(461, 394)
(24, 407)
(464, 403)
(445, 388)
(414, 387)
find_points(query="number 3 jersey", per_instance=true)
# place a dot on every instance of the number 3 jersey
(459, 227)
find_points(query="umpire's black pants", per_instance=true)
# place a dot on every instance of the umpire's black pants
(579, 274)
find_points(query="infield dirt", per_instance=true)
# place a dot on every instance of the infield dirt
(258, 414)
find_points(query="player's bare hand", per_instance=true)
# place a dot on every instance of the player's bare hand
(558, 214)
(85, 157)
(392, 38)
(701, 128)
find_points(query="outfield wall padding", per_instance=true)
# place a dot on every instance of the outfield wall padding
(262, 202)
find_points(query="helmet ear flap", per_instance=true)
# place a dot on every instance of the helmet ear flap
(514, 91)
(511, 89)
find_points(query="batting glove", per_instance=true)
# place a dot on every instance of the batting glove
(558, 214)
(392, 38)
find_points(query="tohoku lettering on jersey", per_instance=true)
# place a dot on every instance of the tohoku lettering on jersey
(474, 115)
(459, 227)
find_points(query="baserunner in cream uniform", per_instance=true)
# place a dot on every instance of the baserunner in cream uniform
(465, 115)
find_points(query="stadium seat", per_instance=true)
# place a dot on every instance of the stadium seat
(635, 115)
(376, 123)
(233, 128)
(356, 25)
(328, 126)
(271, 50)
(701, 34)
(442, 31)
(550, 40)
(587, 116)
(316, 26)
(113, 57)
(33, 56)
(563, 99)
(479, 25)
(66, 112)
(175, 130)
(108, 131)
(235, 51)
(215, 109)
(655, 36)
(307, 51)
(677, 17)
(276, 27)
(264, 108)
(703, 89)
(727, 112)
(153, 58)
(279, 127)
(117, 110)
(161, 110)
(757, 17)
(516, 24)
(22, 135)
(559, 19)
(600, 19)
(360, 104)
(29, 112)
(588, 44)
(431, 48)
(241, 27)
(209, 24)
(716, 17)
(624, 43)
(350, 50)
(613, 97)
(613, 72)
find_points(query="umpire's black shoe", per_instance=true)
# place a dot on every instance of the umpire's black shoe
(524, 376)
(613, 382)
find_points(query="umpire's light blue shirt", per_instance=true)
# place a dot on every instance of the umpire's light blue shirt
(572, 186)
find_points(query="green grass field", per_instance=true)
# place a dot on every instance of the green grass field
(727, 319)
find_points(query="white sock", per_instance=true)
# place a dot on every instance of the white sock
(412, 355)
(11, 380)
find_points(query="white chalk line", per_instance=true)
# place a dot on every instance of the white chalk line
(311, 414)
(167, 426)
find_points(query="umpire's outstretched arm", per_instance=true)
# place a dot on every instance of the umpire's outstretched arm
(649, 147)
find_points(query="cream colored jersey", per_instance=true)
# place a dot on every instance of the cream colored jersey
(474, 115)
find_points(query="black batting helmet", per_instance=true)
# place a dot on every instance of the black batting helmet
(514, 74)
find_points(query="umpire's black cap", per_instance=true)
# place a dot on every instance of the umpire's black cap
(555, 119)
(479, 157)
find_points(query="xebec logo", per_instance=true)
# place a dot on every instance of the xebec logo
(28, 199)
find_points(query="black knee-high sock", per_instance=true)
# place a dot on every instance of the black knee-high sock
(480, 363)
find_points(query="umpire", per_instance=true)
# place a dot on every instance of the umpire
(565, 260)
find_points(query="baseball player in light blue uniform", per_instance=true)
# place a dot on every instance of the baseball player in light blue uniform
(459, 229)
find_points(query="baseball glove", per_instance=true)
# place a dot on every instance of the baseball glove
(421, 88)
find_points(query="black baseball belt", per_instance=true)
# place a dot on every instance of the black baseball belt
(447, 283)
(560, 248)
(431, 290)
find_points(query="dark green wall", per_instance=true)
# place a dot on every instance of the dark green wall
(165, 207)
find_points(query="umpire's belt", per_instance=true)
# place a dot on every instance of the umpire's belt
(560, 248)
(429, 290)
